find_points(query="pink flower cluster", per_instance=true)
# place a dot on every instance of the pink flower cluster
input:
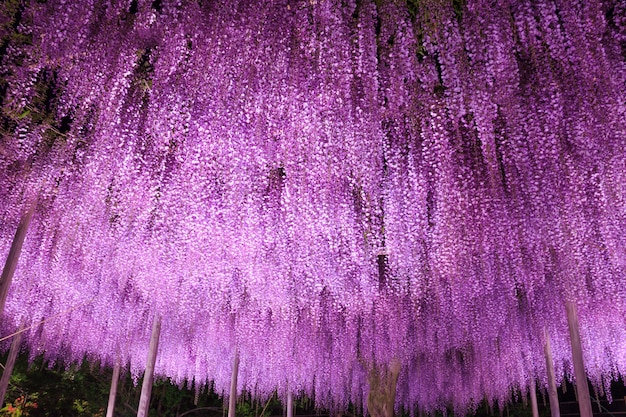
(321, 185)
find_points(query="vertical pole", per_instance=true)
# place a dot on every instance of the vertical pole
(146, 387)
(113, 391)
(232, 400)
(533, 398)
(582, 388)
(289, 404)
(196, 396)
(553, 394)
(8, 367)
(14, 253)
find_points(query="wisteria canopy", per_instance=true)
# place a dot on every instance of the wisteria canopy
(322, 186)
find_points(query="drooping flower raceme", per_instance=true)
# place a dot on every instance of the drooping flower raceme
(323, 186)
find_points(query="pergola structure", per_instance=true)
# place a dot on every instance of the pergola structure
(415, 204)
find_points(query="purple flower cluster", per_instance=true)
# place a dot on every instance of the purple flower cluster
(321, 185)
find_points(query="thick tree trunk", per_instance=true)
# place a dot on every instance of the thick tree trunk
(582, 387)
(113, 392)
(382, 393)
(14, 253)
(232, 400)
(146, 387)
(553, 394)
(533, 398)
(8, 367)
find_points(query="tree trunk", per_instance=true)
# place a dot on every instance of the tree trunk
(232, 400)
(582, 387)
(553, 394)
(14, 254)
(8, 367)
(146, 387)
(113, 392)
(533, 398)
(382, 393)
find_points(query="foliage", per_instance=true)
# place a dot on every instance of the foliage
(38, 389)
(74, 390)
(21, 407)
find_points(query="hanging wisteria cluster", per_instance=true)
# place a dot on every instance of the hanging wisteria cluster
(322, 186)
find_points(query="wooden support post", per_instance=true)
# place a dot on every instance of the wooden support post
(553, 394)
(232, 400)
(582, 387)
(533, 398)
(113, 392)
(8, 367)
(196, 395)
(14, 254)
(146, 387)
(289, 404)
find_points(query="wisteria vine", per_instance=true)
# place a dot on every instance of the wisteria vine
(322, 185)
